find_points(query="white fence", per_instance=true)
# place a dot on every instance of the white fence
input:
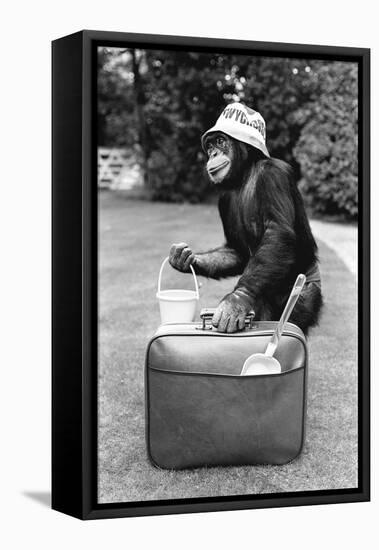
(117, 169)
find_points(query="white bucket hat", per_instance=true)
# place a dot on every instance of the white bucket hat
(242, 123)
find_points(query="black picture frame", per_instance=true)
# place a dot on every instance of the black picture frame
(74, 273)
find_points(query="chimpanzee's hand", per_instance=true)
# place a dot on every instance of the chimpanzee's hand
(181, 257)
(231, 313)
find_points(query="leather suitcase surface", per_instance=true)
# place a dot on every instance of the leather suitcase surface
(201, 412)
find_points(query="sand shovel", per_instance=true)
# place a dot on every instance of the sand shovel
(265, 363)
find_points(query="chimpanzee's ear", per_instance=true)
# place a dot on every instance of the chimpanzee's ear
(244, 150)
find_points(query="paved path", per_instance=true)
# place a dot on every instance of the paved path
(343, 239)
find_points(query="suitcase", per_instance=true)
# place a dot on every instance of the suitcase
(201, 412)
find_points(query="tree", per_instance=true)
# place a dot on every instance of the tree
(277, 88)
(183, 99)
(327, 149)
(162, 101)
(117, 121)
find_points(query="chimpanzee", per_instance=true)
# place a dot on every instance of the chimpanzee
(268, 237)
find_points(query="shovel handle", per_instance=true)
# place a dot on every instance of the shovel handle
(295, 293)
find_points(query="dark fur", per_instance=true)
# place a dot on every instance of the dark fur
(268, 237)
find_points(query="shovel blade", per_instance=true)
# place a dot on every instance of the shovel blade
(259, 364)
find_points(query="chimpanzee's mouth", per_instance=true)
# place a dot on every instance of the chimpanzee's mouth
(216, 167)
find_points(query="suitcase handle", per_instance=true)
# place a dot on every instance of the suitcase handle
(207, 313)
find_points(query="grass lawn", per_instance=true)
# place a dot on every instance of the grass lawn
(134, 237)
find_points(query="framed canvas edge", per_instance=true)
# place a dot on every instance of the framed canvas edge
(86, 505)
(66, 420)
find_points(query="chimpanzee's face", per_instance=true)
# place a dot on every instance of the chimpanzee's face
(220, 151)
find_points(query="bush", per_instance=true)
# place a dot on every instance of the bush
(327, 149)
(181, 101)
(173, 178)
(278, 88)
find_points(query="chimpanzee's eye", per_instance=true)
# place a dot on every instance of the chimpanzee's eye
(220, 141)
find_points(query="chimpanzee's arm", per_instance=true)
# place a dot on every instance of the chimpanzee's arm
(220, 262)
(224, 261)
(270, 264)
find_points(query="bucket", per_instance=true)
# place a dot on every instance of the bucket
(177, 305)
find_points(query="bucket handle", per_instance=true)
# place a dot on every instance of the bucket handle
(193, 273)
